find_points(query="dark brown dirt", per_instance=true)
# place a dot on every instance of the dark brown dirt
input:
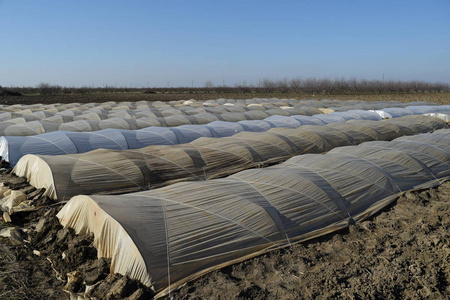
(23, 276)
(54, 262)
(73, 256)
(402, 253)
(441, 98)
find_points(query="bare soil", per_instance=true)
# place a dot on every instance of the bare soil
(441, 98)
(44, 260)
(401, 253)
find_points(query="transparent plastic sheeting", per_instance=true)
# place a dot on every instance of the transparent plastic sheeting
(445, 115)
(395, 112)
(113, 172)
(168, 236)
(35, 112)
(12, 148)
(20, 127)
(24, 120)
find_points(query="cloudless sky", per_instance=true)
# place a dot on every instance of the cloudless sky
(180, 42)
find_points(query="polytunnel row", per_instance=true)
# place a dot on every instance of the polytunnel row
(115, 171)
(395, 112)
(174, 234)
(28, 122)
(181, 104)
(95, 111)
(92, 122)
(50, 113)
(97, 114)
(12, 148)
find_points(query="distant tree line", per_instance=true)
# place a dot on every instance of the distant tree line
(335, 86)
(8, 92)
(341, 86)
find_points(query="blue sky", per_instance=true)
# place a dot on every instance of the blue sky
(156, 43)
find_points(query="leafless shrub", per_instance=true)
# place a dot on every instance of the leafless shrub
(48, 89)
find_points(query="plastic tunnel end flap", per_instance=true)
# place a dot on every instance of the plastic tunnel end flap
(38, 173)
(4, 149)
(84, 214)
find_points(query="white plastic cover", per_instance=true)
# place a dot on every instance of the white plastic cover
(14, 147)
(129, 115)
(394, 112)
(443, 116)
(168, 236)
(115, 171)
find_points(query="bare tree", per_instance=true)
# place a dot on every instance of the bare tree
(282, 85)
(209, 84)
(268, 85)
(295, 85)
(48, 89)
